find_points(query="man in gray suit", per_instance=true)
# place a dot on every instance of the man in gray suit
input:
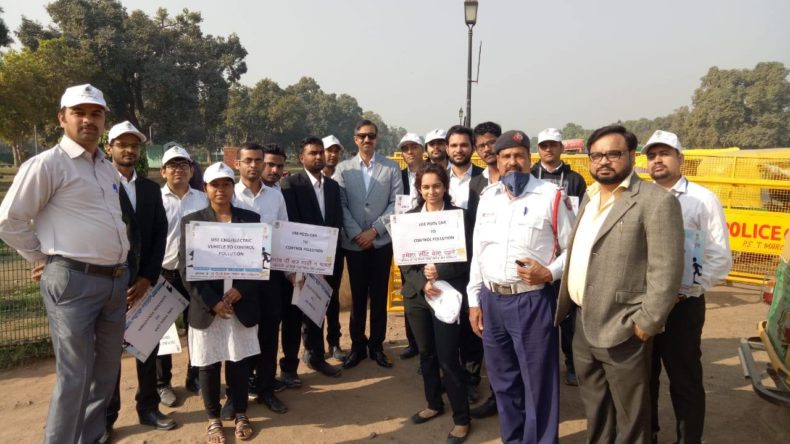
(623, 271)
(368, 185)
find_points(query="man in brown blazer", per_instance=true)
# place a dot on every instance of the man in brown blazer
(624, 267)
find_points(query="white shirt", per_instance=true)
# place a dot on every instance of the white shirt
(175, 209)
(318, 188)
(131, 189)
(702, 212)
(507, 230)
(65, 201)
(413, 191)
(459, 187)
(367, 171)
(268, 202)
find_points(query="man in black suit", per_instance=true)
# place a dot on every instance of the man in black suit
(413, 150)
(312, 198)
(141, 203)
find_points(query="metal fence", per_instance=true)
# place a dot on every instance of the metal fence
(23, 318)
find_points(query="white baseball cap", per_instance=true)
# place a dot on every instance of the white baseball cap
(80, 94)
(438, 133)
(125, 128)
(218, 171)
(547, 134)
(663, 138)
(411, 138)
(175, 152)
(332, 140)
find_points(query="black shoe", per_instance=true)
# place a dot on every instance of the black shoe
(167, 396)
(325, 368)
(381, 359)
(228, 412)
(570, 378)
(354, 358)
(291, 380)
(484, 410)
(452, 439)
(278, 386)
(472, 394)
(106, 436)
(336, 352)
(409, 352)
(157, 419)
(417, 419)
(271, 401)
(192, 385)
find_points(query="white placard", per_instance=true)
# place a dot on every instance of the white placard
(170, 342)
(428, 237)
(313, 297)
(403, 203)
(303, 248)
(148, 320)
(694, 255)
(217, 250)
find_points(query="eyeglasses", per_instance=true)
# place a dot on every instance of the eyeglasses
(362, 136)
(611, 156)
(251, 161)
(488, 144)
(125, 146)
(183, 166)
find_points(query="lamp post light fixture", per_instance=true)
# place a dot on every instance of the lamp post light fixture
(461, 115)
(470, 14)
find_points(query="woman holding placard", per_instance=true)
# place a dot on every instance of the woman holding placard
(223, 314)
(438, 341)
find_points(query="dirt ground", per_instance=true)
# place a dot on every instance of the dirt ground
(372, 404)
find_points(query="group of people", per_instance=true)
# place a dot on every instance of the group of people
(613, 275)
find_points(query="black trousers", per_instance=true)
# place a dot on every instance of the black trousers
(146, 398)
(333, 311)
(440, 354)
(368, 272)
(471, 346)
(164, 364)
(567, 328)
(614, 385)
(291, 329)
(312, 334)
(678, 348)
(236, 374)
(410, 335)
(265, 364)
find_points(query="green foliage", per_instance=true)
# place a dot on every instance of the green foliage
(5, 34)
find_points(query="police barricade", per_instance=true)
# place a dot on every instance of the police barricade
(752, 185)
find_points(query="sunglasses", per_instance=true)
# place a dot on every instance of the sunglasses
(362, 136)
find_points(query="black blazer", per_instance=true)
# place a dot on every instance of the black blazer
(404, 176)
(455, 273)
(302, 206)
(206, 294)
(132, 232)
(474, 196)
(147, 229)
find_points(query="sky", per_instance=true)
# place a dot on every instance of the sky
(543, 64)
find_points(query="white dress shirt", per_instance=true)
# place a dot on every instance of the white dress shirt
(318, 188)
(131, 189)
(507, 230)
(65, 201)
(175, 209)
(459, 187)
(268, 202)
(702, 212)
(367, 170)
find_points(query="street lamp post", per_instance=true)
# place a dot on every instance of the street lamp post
(461, 116)
(470, 14)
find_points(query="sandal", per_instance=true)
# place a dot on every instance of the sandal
(243, 428)
(214, 433)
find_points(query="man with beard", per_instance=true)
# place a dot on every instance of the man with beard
(552, 169)
(145, 199)
(312, 198)
(625, 263)
(707, 261)
(436, 146)
(511, 306)
(259, 171)
(63, 209)
(333, 154)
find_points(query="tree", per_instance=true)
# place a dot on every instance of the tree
(30, 33)
(31, 83)
(575, 131)
(5, 35)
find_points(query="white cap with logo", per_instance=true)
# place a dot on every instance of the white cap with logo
(549, 134)
(663, 138)
(218, 171)
(81, 94)
(175, 152)
(411, 138)
(438, 133)
(125, 128)
(331, 140)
